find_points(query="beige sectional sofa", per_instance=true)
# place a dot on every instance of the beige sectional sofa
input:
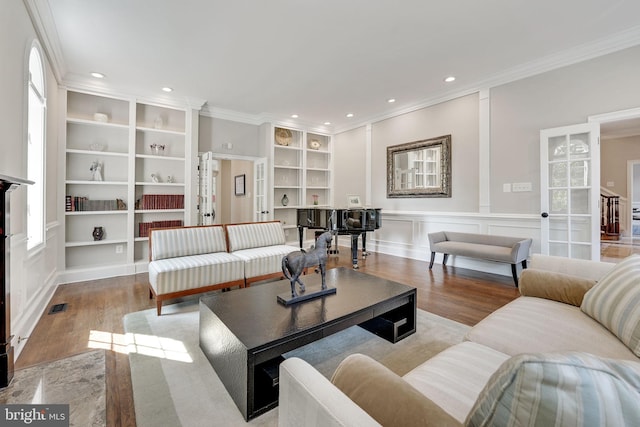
(192, 260)
(567, 352)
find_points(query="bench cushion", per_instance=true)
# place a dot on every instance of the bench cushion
(191, 272)
(263, 260)
(255, 235)
(185, 241)
(474, 250)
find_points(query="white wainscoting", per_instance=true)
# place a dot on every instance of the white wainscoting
(33, 284)
(405, 234)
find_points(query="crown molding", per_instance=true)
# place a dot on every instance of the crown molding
(614, 43)
(234, 116)
(45, 27)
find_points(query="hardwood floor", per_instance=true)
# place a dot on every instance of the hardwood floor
(93, 318)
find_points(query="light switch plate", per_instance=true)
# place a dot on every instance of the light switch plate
(521, 186)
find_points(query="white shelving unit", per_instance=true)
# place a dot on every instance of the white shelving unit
(120, 134)
(302, 164)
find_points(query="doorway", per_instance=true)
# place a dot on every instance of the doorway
(219, 190)
(620, 162)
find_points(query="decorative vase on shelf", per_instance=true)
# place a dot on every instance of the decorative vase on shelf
(98, 233)
(284, 200)
(315, 199)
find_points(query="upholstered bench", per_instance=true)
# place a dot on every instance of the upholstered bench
(261, 245)
(512, 250)
(191, 260)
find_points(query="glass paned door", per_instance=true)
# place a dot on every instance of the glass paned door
(260, 200)
(570, 181)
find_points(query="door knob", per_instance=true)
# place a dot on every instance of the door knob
(544, 215)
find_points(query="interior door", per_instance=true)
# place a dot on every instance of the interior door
(260, 200)
(569, 189)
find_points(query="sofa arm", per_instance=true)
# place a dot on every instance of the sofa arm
(307, 398)
(437, 237)
(594, 270)
(554, 286)
(520, 251)
(386, 396)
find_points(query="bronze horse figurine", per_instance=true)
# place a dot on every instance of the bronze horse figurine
(294, 264)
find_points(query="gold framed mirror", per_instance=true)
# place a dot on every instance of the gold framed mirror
(420, 168)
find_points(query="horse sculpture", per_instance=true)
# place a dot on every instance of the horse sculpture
(293, 265)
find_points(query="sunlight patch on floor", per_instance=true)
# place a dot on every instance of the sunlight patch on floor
(148, 345)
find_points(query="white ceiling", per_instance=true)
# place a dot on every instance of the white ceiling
(261, 59)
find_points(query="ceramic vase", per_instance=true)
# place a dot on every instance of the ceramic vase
(98, 233)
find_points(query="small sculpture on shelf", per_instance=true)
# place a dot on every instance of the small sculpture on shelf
(170, 179)
(98, 233)
(155, 177)
(284, 200)
(157, 149)
(96, 170)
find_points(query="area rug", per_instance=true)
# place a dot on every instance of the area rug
(78, 381)
(174, 384)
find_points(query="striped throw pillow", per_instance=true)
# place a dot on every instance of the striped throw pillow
(615, 302)
(568, 389)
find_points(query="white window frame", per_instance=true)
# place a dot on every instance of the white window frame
(36, 114)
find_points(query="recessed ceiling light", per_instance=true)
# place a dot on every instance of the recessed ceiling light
(167, 89)
(97, 75)
(294, 116)
(350, 115)
(449, 79)
(327, 123)
(391, 100)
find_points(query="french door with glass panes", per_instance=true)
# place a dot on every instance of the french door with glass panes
(569, 188)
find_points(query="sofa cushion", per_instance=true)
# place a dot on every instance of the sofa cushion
(454, 378)
(255, 235)
(554, 286)
(573, 389)
(615, 302)
(537, 325)
(263, 260)
(385, 396)
(178, 274)
(185, 241)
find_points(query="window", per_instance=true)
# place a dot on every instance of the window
(37, 105)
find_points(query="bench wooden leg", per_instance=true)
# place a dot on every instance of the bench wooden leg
(514, 272)
(433, 257)
(444, 259)
(159, 307)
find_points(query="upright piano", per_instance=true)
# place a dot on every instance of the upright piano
(355, 222)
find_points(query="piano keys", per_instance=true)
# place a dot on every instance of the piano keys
(354, 222)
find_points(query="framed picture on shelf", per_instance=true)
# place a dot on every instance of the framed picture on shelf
(353, 201)
(240, 189)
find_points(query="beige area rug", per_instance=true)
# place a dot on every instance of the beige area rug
(174, 384)
(76, 380)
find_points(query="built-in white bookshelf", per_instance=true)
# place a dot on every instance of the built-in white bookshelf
(140, 151)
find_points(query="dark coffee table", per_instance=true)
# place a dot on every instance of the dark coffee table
(245, 332)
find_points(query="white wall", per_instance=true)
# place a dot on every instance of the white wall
(565, 96)
(614, 154)
(518, 111)
(32, 277)
(349, 151)
(214, 133)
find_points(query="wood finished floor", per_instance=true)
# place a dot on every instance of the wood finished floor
(93, 317)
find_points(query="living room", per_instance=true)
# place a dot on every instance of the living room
(495, 126)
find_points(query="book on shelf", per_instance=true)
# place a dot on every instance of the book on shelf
(81, 203)
(144, 228)
(161, 201)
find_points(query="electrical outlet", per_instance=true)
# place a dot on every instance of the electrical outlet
(119, 249)
(520, 186)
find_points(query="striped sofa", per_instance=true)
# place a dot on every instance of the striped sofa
(566, 352)
(261, 246)
(191, 260)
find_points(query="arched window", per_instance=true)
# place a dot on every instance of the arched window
(37, 105)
